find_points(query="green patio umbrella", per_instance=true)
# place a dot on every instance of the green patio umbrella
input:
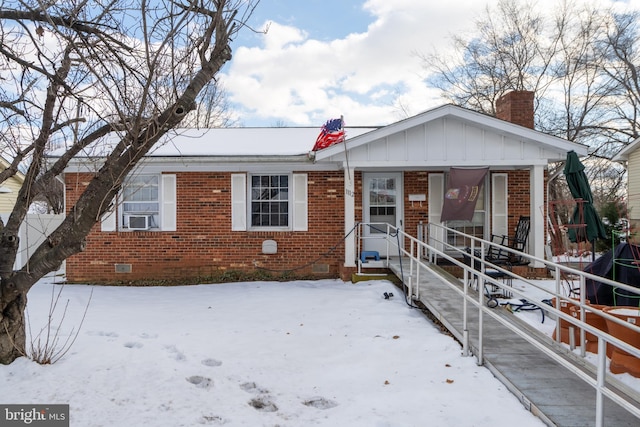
(580, 189)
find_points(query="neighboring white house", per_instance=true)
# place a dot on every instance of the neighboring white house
(9, 189)
(35, 228)
(630, 157)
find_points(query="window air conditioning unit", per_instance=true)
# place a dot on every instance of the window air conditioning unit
(138, 222)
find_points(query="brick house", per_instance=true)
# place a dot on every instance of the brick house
(209, 202)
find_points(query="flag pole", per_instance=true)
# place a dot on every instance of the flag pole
(344, 143)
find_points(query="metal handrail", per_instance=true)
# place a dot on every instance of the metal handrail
(421, 253)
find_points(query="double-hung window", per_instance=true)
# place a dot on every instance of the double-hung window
(146, 202)
(141, 202)
(270, 201)
(276, 201)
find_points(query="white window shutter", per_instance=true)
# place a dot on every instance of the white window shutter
(168, 217)
(238, 202)
(436, 201)
(300, 203)
(108, 220)
(436, 196)
(499, 205)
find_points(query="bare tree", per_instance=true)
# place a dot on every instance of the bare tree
(618, 45)
(213, 109)
(579, 61)
(50, 200)
(508, 51)
(134, 69)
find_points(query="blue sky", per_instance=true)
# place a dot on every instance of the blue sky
(324, 58)
(320, 21)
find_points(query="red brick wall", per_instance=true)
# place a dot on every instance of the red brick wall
(519, 196)
(415, 182)
(204, 245)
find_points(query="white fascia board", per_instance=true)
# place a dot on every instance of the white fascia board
(623, 155)
(480, 119)
(222, 164)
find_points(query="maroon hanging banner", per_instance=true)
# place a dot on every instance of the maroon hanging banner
(462, 193)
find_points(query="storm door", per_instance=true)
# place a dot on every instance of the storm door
(382, 200)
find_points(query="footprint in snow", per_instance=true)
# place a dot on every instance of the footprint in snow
(200, 382)
(212, 419)
(320, 403)
(211, 362)
(133, 344)
(147, 336)
(175, 353)
(103, 334)
(263, 404)
(251, 387)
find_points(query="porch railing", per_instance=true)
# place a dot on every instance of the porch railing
(429, 246)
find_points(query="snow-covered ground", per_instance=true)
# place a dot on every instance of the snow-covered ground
(317, 353)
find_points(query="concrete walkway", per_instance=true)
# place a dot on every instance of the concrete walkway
(552, 392)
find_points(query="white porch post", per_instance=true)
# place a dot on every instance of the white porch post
(537, 207)
(349, 217)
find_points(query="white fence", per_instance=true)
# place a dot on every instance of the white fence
(34, 231)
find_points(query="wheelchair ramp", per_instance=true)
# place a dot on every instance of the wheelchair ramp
(549, 390)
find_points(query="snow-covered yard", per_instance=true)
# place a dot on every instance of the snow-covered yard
(323, 353)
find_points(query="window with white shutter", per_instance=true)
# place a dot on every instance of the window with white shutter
(269, 201)
(146, 202)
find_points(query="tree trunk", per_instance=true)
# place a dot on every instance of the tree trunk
(12, 324)
(139, 126)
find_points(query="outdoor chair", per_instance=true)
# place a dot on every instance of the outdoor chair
(491, 291)
(500, 255)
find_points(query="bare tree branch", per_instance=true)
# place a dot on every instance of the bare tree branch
(116, 77)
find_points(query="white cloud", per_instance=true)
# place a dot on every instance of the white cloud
(366, 76)
(281, 35)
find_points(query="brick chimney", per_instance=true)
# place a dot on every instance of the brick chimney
(516, 107)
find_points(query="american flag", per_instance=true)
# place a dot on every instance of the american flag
(331, 133)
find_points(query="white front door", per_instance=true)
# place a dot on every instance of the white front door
(382, 198)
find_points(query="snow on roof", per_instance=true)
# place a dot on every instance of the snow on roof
(273, 141)
(237, 142)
